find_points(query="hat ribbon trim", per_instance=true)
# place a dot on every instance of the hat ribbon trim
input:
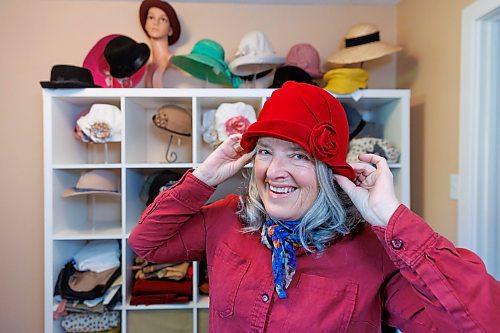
(358, 129)
(374, 37)
(251, 77)
(83, 189)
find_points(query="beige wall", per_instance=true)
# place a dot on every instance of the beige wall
(37, 34)
(429, 32)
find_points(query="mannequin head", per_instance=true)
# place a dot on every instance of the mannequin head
(159, 20)
(157, 24)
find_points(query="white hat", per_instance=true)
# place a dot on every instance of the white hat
(231, 118)
(95, 182)
(255, 55)
(102, 123)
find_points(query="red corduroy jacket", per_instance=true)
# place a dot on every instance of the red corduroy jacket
(405, 274)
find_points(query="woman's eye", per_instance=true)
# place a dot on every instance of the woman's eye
(262, 151)
(163, 19)
(299, 156)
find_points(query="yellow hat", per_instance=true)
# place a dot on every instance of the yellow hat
(345, 80)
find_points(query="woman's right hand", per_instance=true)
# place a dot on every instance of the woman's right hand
(224, 162)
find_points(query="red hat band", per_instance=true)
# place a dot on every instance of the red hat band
(309, 116)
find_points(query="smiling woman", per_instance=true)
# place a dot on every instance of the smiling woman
(374, 260)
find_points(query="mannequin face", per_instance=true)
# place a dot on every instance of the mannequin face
(157, 24)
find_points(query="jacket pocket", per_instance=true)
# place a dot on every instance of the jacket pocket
(321, 305)
(226, 273)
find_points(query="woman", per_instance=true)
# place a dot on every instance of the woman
(159, 21)
(293, 254)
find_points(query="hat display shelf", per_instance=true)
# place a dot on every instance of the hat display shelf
(70, 222)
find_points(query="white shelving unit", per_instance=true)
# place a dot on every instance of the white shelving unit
(142, 152)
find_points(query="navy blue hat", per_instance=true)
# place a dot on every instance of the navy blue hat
(157, 183)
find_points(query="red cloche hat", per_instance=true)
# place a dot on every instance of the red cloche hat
(309, 116)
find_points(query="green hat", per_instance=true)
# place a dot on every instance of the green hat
(206, 62)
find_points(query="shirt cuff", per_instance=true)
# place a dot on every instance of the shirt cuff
(406, 237)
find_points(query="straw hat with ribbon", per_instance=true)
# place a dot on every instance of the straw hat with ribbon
(362, 43)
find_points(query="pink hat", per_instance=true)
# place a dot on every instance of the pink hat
(305, 56)
(99, 66)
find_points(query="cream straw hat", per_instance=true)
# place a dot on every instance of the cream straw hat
(362, 43)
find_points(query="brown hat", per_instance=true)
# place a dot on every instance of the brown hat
(169, 10)
(362, 43)
(174, 119)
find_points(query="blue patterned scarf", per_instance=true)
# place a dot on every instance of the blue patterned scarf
(281, 239)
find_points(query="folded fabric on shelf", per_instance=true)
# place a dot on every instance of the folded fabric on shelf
(148, 287)
(166, 298)
(91, 322)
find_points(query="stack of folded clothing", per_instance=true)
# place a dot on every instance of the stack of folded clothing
(162, 283)
(88, 288)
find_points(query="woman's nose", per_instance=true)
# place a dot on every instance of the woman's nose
(277, 168)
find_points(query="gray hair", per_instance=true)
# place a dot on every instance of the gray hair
(332, 214)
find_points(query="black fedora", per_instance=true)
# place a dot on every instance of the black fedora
(69, 76)
(125, 56)
(291, 73)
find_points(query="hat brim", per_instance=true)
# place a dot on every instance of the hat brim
(142, 56)
(364, 52)
(67, 84)
(341, 89)
(247, 65)
(203, 68)
(71, 192)
(98, 65)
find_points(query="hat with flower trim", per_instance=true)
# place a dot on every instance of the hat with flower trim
(309, 116)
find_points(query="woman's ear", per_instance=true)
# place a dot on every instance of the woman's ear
(170, 32)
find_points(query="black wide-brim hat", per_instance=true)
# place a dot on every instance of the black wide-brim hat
(125, 56)
(169, 10)
(291, 73)
(69, 76)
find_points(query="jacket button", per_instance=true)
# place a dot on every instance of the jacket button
(265, 298)
(397, 244)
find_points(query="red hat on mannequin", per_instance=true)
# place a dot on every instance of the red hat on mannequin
(309, 116)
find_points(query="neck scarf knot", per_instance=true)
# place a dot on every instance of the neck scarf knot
(281, 239)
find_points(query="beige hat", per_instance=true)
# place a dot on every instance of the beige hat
(95, 182)
(174, 119)
(362, 43)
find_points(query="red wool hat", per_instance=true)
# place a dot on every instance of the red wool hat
(309, 116)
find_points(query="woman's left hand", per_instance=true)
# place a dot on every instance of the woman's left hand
(224, 162)
(372, 191)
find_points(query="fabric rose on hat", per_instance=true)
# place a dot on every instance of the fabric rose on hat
(231, 118)
(322, 141)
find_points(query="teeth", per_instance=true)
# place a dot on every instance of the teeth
(281, 189)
